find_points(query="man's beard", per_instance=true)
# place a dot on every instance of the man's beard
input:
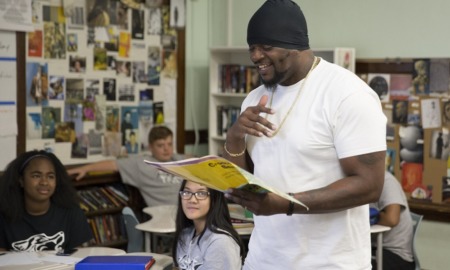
(272, 83)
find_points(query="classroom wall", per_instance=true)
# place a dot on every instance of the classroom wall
(375, 28)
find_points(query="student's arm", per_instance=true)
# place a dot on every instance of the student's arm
(106, 165)
(390, 215)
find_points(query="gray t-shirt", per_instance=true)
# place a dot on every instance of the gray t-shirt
(156, 187)
(399, 239)
(215, 251)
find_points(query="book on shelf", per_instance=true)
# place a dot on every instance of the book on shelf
(219, 174)
(114, 228)
(110, 198)
(101, 231)
(237, 78)
(84, 198)
(96, 239)
(84, 206)
(253, 79)
(119, 193)
(88, 200)
(115, 262)
(226, 116)
(100, 198)
(106, 228)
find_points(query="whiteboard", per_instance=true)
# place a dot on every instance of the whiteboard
(8, 105)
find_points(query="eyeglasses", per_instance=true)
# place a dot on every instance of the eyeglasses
(199, 195)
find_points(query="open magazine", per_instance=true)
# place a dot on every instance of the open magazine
(218, 173)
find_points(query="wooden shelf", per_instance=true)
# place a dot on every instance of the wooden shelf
(102, 212)
(430, 211)
(384, 66)
(98, 179)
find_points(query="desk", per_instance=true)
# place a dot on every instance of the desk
(96, 251)
(379, 230)
(60, 262)
(162, 262)
(162, 222)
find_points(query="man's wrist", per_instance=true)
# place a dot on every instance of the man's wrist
(234, 154)
(290, 209)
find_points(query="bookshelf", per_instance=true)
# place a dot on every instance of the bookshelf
(227, 56)
(103, 207)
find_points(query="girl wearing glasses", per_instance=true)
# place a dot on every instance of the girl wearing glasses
(205, 237)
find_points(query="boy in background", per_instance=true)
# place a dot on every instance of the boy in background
(156, 187)
(394, 212)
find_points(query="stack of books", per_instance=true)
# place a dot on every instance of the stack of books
(240, 217)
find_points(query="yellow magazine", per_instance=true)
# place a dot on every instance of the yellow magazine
(218, 173)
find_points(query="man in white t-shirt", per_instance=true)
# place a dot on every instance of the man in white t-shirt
(317, 131)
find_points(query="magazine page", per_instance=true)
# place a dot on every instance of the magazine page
(218, 173)
(211, 171)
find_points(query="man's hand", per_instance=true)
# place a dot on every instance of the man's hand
(261, 204)
(252, 123)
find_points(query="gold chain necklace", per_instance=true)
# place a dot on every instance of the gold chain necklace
(315, 63)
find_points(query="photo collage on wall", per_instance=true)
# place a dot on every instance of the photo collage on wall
(99, 75)
(415, 102)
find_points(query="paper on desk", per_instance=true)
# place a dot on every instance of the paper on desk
(24, 258)
(18, 258)
(60, 259)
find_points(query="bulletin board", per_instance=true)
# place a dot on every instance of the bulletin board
(98, 75)
(418, 130)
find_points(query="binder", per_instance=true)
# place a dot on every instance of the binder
(115, 263)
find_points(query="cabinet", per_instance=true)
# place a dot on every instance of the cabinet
(104, 210)
(239, 56)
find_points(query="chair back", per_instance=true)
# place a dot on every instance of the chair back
(135, 236)
(416, 218)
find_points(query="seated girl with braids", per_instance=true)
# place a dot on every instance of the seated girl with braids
(38, 206)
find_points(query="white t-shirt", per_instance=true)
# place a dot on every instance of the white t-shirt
(337, 115)
(399, 239)
(215, 251)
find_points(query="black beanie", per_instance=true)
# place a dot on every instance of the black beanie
(279, 23)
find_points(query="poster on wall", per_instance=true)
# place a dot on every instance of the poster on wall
(86, 67)
(16, 15)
